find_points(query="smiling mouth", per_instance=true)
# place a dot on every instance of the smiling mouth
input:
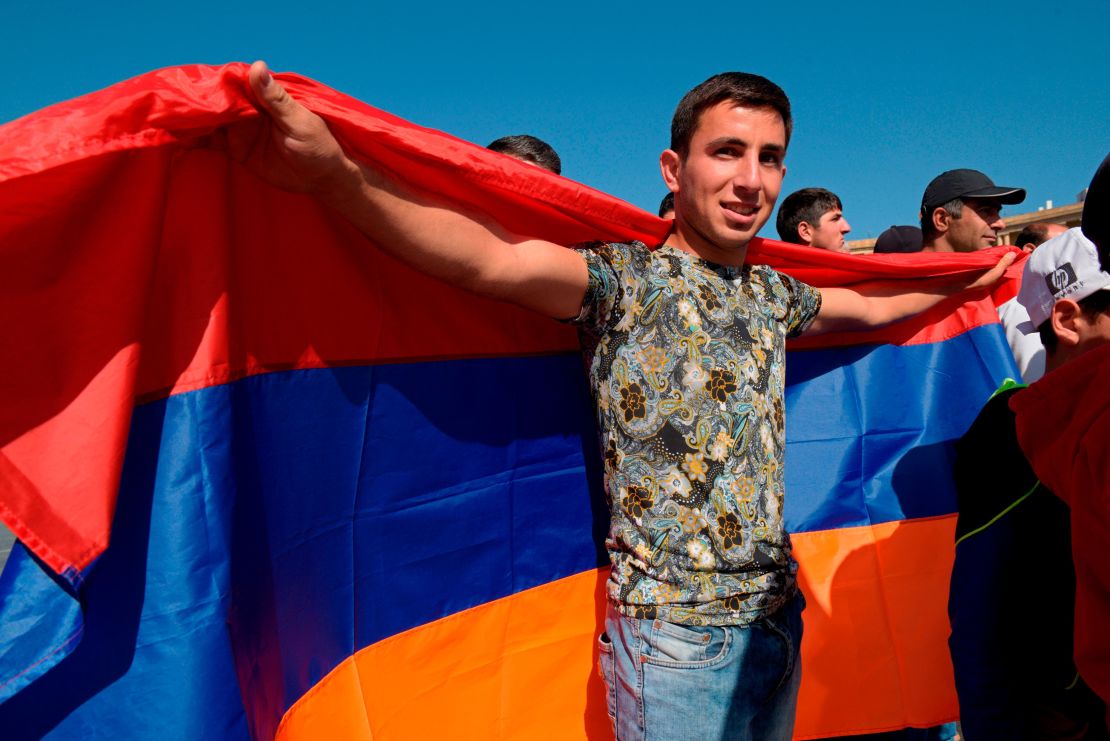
(737, 208)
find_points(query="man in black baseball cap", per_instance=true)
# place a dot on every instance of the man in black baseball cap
(960, 211)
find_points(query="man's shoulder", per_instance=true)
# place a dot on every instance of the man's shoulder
(628, 260)
(996, 412)
(603, 246)
(783, 288)
(766, 274)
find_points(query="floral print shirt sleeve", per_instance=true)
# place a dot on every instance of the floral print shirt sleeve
(604, 299)
(803, 302)
(686, 365)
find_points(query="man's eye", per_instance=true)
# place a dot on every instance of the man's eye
(771, 159)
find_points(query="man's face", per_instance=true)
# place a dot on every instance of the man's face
(726, 186)
(1095, 331)
(1100, 330)
(1082, 333)
(978, 225)
(829, 232)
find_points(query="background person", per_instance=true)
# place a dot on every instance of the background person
(1063, 424)
(1029, 353)
(1036, 234)
(961, 211)
(813, 217)
(899, 239)
(1011, 532)
(666, 207)
(530, 149)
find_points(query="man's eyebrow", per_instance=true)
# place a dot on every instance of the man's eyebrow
(728, 140)
(736, 141)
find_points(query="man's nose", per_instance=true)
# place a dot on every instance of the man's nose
(845, 227)
(746, 176)
(997, 224)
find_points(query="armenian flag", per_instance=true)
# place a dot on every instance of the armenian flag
(269, 482)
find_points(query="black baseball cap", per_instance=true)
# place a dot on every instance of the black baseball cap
(966, 184)
(899, 239)
(1096, 212)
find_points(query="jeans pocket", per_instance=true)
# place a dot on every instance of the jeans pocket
(682, 646)
(608, 673)
(786, 624)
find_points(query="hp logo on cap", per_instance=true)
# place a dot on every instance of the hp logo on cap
(1060, 278)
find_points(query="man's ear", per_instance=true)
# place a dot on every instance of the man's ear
(670, 165)
(1067, 318)
(942, 220)
(805, 232)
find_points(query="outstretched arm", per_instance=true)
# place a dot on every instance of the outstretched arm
(292, 148)
(847, 309)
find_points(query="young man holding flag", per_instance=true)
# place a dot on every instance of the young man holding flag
(685, 345)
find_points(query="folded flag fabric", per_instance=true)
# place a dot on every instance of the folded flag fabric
(269, 481)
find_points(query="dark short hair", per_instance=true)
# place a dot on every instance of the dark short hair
(807, 204)
(741, 88)
(667, 204)
(527, 147)
(1035, 234)
(1091, 306)
(955, 209)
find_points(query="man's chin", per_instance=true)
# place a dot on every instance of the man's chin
(736, 242)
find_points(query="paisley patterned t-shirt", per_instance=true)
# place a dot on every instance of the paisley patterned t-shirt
(685, 359)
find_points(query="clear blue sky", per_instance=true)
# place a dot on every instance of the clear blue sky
(885, 95)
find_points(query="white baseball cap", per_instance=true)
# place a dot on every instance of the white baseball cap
(1063, 267)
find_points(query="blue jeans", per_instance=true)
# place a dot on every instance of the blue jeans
(668, 681)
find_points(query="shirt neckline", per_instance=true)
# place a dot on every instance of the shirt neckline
(728, 272)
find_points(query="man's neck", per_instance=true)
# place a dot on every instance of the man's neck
(687, 239)
(938, 245)
(1065, 354)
